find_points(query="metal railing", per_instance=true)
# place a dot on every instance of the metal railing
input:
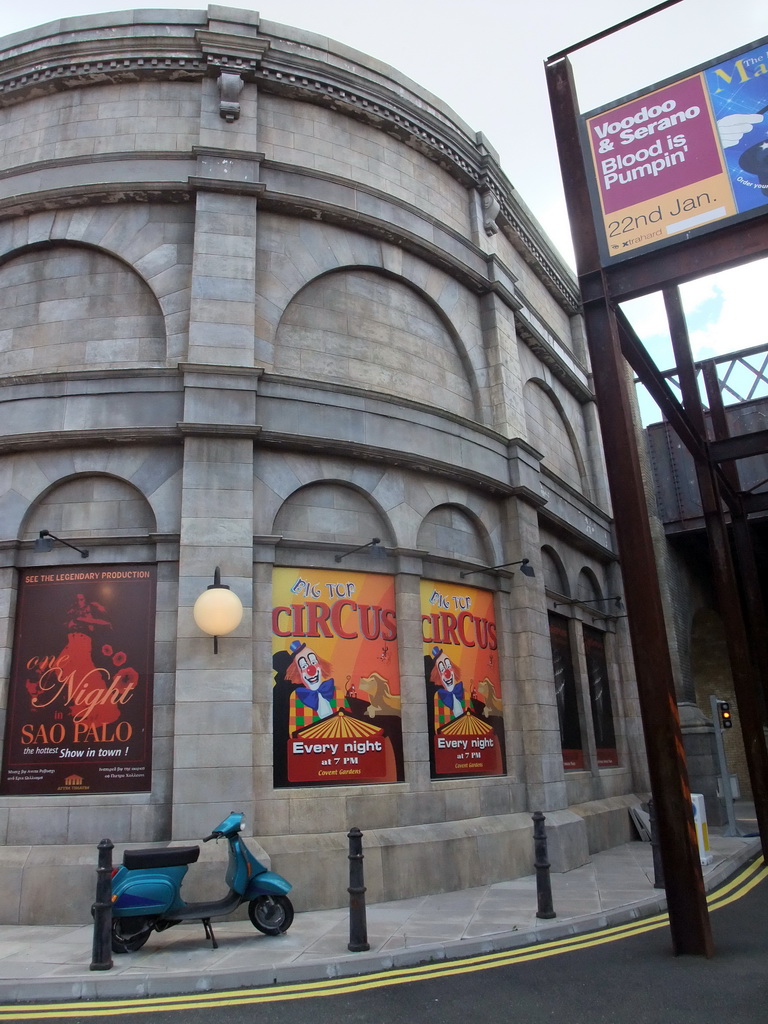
(742, 375)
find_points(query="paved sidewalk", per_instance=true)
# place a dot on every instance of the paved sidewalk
(41, 964)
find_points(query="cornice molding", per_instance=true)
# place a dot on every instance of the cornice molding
(48, 440)
(466, 159)
(133, 55)
(225, 52)
(45, 76)
(70, 197)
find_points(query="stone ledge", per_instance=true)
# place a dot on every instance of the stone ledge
(607, 821)
(414, 860)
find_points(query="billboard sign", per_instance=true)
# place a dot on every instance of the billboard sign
(465, 716)
(336, 695)
(80, 696)
(681, 158)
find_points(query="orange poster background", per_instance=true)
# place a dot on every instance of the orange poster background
(672, 213)
(347, 620)
(476, 663)
(352, 660)
(461, 622)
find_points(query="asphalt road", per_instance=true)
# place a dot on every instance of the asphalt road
(598, 979)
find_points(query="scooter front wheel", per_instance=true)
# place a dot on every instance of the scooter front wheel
(130, 933)
(272, 915)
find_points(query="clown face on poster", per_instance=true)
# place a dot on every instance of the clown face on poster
(336, 695)
(461, 668)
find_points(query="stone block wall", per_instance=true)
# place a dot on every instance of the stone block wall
(106, 119)
(251, 323)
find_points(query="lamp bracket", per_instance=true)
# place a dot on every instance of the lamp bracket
(525, 568)
(371, 543)
(45, 541)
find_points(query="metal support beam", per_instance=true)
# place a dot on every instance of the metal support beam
(748, 576)
(650, 646)
(732, 246)
(689, 921)
(731, 448)
(687, 431)
(728, 596)
(754, 503)
(718, 419)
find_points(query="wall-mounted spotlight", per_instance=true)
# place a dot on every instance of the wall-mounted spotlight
(361, 547)
(217, 611)
(44, 543)
(525, 568)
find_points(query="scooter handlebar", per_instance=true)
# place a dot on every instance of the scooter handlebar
(210, 837)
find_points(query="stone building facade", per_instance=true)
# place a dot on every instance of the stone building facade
(264, 300)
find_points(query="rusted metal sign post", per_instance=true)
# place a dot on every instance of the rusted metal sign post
(689, 921)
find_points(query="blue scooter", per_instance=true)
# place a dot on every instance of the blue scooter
(146, 891)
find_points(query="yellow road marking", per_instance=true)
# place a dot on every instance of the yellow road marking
(729, 893)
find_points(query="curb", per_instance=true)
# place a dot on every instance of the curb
(89, 986)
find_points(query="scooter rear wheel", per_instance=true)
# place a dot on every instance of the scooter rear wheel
(272, 915)
(130, 933)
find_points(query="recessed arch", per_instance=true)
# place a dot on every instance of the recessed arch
(588, 587)
(68, 306)
(332, 511)
(712, 676)
(90, 505)
(366, 328)
(454, 532)
(553, 571)
(550, 432)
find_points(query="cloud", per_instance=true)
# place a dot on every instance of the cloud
(726, 312)
(648, 317)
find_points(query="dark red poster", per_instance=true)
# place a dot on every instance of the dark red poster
(80, 696)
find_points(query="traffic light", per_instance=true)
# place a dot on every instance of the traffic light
(726, 721)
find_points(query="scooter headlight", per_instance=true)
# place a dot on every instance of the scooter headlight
(242, 826)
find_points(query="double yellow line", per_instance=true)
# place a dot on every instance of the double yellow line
(734, 890)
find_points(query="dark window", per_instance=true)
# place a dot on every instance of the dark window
(600, 698)
(565, 690)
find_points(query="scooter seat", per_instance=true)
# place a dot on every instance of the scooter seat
(171, 857)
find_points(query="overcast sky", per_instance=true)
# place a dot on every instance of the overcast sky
(485, 59)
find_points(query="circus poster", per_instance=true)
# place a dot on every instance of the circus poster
(336, 695)
(80, 696)
(461, 667)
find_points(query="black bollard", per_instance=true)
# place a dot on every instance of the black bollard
(358, 927)
(102, 909)
(658, 867)
(541, 863)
